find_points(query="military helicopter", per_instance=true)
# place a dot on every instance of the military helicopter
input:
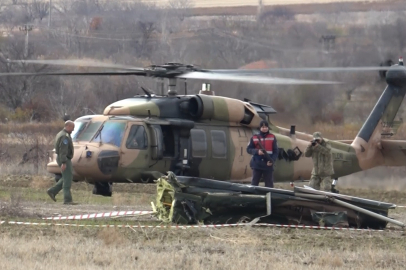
(138, 139)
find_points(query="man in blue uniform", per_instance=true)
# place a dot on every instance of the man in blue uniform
(262, 164)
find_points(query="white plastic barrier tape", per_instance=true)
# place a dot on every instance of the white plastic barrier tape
(101, 215)
(194, 226)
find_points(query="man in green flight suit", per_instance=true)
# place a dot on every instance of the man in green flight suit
(320, 151)
(64, 151)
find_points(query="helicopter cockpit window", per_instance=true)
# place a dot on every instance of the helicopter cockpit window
(79, 127)
(218, 144)
(199, 143)
(88, 132)
(137, 138)
(111, 133)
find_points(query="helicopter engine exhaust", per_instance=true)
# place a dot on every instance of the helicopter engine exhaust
(201, 107)
(206, 107)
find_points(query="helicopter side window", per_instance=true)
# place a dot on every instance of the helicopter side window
(137, 138)
(169, 141)
(111, 133)
(90, 130)
(218, 144)
(199, 143)
(79, 127)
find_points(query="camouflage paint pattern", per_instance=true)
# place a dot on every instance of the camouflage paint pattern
(237, 121)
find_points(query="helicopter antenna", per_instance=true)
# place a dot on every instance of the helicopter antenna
(172, 87)
(146, 91)
(160, 86)
(206, 90)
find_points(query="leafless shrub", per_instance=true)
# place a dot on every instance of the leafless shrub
(111, 237)
(41, 182)
(25, 153)
(13, 207)
(276, 14)
(13, 129)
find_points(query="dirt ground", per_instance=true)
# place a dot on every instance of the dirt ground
(23, 198)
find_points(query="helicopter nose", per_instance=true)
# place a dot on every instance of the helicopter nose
(95, 162)
(107, 160)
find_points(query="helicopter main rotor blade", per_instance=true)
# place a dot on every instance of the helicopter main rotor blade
(77, 63)
(249, 79)
(319, 69)
(112, 73)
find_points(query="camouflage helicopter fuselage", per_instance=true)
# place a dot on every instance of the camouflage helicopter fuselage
(139, 139)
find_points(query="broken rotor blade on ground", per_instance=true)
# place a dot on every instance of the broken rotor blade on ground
(77, 63)
(370, 213)
(249, 79)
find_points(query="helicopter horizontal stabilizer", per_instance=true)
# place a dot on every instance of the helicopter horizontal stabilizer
(394, 152)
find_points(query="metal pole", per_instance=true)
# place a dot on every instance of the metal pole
(27, 28)
(259, 9)
(366, 212)
(26, 44)
(311, 196)
(50, 11)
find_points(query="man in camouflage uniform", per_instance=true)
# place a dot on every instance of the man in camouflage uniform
(64, 151)
(320, 151)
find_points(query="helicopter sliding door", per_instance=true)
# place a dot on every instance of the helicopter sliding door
(240, 159)
(210, 152)
(134, 151)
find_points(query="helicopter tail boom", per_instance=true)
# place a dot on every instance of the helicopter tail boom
(368, 142)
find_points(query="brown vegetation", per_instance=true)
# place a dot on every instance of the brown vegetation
(307, 8)
(141, 34)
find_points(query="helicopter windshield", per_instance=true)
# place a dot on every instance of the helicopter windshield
(111, 133)
(87, 131)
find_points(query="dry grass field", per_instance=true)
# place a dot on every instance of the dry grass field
(23, 198)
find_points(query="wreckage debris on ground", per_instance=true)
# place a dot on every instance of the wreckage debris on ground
(192, 200)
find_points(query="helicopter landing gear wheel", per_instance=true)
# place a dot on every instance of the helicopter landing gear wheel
(103, 188)
(58, 177)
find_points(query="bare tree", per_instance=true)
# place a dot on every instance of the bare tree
(40, 8)
(15, 91)
(67, 98)
(14, 16)
(276, 14)
(181, 8)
